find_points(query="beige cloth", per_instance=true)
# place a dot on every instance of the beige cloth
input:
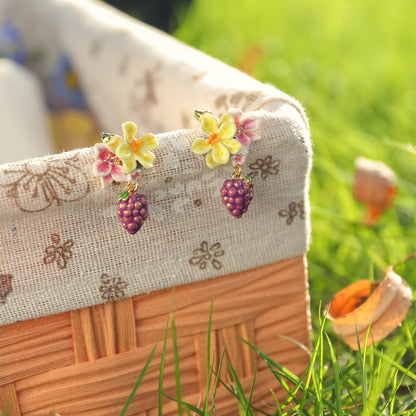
(62, 245)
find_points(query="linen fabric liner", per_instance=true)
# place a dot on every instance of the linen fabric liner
(62, 245)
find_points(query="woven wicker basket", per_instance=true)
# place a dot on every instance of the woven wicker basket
(85, 361)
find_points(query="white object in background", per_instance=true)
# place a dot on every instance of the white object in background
(23, 115)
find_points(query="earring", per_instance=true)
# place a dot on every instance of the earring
(230, 135)
(121, 159)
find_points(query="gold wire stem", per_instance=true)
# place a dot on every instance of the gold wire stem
(238, 173)
(132, 187)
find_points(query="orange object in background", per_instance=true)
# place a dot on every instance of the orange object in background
(382, 306)
(375, 185)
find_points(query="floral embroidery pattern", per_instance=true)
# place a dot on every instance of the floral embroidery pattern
(294, 209)
(264, 167)
(112, 288)
(207, 255)
(241, 99)
(5, 287)
(36, 185)
(58, 252)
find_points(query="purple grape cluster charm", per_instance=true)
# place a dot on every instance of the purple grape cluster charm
(132, 211)
(237, 193)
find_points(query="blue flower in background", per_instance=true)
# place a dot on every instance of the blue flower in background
(65, 90)
(11, 43)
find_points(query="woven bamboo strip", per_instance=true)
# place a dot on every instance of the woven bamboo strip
(35, 346)
(246, 332)
(125, 325)
(245, 303)
(187, 295)
(200, 345)
(105, 383)
(8, 400)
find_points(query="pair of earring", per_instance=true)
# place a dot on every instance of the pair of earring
(122, 159)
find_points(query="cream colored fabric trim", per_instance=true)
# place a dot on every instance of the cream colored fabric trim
(62, 245)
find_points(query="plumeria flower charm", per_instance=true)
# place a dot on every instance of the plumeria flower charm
(131, 149)
(220, 142)
(230, 135)
(121, 159)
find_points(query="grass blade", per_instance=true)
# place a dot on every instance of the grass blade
(138, 382)
(336, 368)
(177, 370)
(161, 372)
(251, 391)
(209, 367)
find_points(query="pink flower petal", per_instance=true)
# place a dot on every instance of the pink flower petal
(117, 172)
(250, 124)
(105, 153)
(239, 159)
(237, 114)
(253, 135)
(134, 177)
(244, 139)
(97, 148)
(100, 169)
(107, 180)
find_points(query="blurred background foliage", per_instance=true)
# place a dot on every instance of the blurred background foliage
(351, 64)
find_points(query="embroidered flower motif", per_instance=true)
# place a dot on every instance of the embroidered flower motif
(207, 255)
(220, 142)
(60, 253)
(131, 149)
(12, 44)
(293, 210)
(35, 185)
(112, 288)
(65, 87)
(264, 167)
(5, 287)
(107, 167)
(246, 128)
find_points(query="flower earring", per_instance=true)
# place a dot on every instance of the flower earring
(231, 134)
(121, 159)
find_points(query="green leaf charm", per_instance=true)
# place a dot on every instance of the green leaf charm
(123, 196)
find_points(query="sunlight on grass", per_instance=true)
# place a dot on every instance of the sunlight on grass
(350, 63)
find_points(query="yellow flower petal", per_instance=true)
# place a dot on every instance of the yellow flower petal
(113, 142)
(211, 163)
(233, 145)
(209, 124)
(200, 146)
(146, 159)
(129, 165)
(129, 129)
(149, 142)
(124, 151)
(220, 154)
(227, 131)
(226, 118)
